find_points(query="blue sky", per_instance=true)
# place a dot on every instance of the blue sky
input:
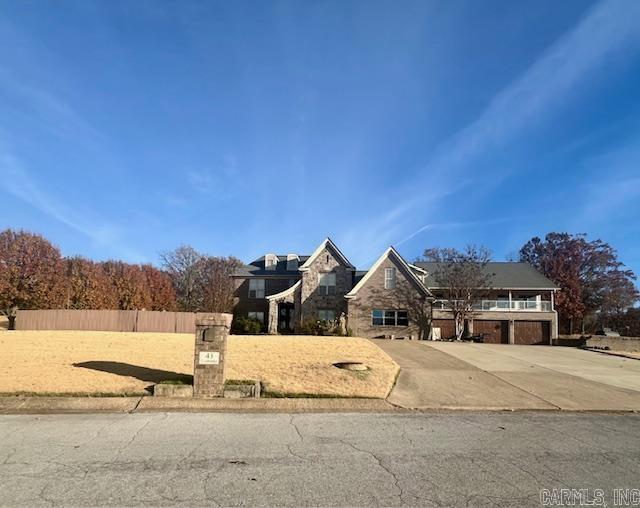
(129, 128)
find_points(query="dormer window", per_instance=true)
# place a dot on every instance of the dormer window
(270, 262)
(292, 262)
(390, 278)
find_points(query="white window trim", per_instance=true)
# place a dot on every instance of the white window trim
(390, 278)
(322, 278)
(267, 259)
(293, 261)
(395, 318)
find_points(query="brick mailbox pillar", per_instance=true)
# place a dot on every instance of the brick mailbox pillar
(210, 355)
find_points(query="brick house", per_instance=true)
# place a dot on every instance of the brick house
(393, 299)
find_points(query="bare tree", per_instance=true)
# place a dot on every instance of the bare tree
(405, 296)
(185, 265)
(462, 279)
(216, 285)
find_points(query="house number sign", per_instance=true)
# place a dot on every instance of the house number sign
(209, 358)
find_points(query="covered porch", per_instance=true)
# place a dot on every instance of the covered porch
(281, 317)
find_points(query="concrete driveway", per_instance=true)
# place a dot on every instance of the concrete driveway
(449, 375)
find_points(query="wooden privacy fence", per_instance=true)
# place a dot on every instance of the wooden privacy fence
(108, 320)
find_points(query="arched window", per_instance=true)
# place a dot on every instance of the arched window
(292, 262)
(270, 262)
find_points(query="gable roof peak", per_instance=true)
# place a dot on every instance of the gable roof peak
(386, 254)
(325, 244)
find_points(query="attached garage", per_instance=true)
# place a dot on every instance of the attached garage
(532, 332)
(447, 327)
(494, 332)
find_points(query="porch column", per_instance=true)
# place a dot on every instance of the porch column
(512, 331)
(272, 323)
(510, 305)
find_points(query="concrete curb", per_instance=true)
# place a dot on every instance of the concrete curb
(295, 405)
(621, 354)
(21, 404)
(61, 405)
(68, 404)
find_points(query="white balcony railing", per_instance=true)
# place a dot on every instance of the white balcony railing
(501, 305)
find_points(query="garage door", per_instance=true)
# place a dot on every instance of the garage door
(495, 332)
(532, 332)
(447, 327)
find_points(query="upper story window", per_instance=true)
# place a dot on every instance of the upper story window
(270, 262)
(292, 262)
(389, 278)
(256, 288)
(327, 283)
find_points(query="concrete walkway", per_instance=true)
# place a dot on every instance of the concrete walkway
(489, 376)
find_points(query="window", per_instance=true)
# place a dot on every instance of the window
(389, 318)
(326, 315)
(389, 278)
(292, 262)
(327, 283)
(256, 315)
(256, 288)
(270, 262)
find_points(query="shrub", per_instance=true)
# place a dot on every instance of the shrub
(246, 326)
(320, 327)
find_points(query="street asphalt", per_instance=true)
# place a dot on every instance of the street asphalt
(348, 459)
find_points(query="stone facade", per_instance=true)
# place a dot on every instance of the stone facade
(405, 297)
(311, 300)
(415, 293)
(211, 337)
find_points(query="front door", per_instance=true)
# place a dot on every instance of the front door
(285, 317)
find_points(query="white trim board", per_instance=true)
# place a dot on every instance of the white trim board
(286, 292)
(327, 243)
(390, 251)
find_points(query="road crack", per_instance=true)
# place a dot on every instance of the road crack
(381, 464)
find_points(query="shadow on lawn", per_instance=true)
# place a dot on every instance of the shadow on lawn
(141, 373)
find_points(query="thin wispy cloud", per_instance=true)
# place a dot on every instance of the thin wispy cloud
(609, 27)
(18, 182)
(459, 225)
(409, 126)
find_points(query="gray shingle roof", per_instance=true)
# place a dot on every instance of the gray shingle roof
(505, 275)
(256, 268)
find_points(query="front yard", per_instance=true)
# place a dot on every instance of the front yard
(76, 362)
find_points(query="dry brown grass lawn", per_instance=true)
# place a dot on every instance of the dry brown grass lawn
(111, 362)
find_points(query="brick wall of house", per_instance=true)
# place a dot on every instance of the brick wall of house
(373, 296)
(311, 299)
(244, 304)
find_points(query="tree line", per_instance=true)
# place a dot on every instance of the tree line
(596, 289)
(35, 275)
